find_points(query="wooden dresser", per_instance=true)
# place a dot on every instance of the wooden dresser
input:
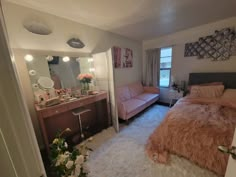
(59, 117)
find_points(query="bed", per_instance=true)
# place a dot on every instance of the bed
(195, 126)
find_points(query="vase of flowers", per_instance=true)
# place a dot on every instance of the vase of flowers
(85, 79)
(69, 163)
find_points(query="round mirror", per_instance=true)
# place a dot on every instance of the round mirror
(45, 82)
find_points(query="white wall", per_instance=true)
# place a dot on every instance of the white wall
(182, 66)
(95, 41)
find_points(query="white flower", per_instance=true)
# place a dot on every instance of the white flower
(57, 163)
(55, 141)
(67, 153)
(90, 139)
(66, 145)
(77, 170)
(69, 164)
(85, 168)
(61, 159)
(79, 159)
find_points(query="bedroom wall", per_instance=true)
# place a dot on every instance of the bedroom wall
(182, 66)
(95, 41)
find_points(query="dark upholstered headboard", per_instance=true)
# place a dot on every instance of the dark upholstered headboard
(229, 79)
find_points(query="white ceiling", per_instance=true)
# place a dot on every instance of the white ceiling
(137, 19)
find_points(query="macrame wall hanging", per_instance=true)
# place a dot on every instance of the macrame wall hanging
(219, 46)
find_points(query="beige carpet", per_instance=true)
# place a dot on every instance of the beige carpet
(123, 154)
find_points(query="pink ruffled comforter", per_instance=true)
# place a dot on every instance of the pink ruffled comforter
(193, 129)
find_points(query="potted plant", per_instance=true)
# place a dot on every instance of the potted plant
(69, 162)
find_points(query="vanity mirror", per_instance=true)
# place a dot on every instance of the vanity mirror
(63, 71)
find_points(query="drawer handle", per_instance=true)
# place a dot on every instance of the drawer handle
(56, 111)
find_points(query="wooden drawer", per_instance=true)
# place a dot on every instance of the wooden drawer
(74, 105)
(54, 111)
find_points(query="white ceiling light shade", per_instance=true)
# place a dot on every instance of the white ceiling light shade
(37, 27)
(66, 59)
(28, 57)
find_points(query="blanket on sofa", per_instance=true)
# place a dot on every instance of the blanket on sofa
(193, 129)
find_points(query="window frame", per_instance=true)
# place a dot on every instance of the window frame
(168, 68)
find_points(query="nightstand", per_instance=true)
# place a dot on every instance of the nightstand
(175, 95)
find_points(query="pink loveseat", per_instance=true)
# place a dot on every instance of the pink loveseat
(134, 98)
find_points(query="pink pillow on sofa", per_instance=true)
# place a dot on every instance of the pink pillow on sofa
(123, 93)
(135, 89)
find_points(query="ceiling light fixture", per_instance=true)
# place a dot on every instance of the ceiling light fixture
(36, 26)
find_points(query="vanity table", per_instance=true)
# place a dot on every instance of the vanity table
(59, 117)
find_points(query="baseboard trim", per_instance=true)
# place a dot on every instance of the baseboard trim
(162, 103)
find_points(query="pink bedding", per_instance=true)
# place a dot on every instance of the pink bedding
(193, 129)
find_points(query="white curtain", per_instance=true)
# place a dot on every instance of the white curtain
(152, 67)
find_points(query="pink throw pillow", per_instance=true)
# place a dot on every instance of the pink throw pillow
(212, 91)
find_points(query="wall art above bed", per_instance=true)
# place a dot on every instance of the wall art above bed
(219, 46)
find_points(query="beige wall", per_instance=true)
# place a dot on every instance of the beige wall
(95, 41)
(182, 66)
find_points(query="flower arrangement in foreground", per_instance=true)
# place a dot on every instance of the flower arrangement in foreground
(69, 163)
(85, 78)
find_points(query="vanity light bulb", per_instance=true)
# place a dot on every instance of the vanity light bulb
(78, 59)
(90, 60)
(66, 59)
(28, 57)
(91, 69)
(49, 58)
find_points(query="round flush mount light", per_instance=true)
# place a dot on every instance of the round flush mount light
(66, 59)
(36, 26)
(28, 57)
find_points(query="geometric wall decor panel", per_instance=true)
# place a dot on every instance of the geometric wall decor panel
(219, 46)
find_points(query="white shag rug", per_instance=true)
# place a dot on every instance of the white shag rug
(123, 154)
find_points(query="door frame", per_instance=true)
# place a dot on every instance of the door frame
(15, 123)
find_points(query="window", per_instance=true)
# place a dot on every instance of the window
(165, 66)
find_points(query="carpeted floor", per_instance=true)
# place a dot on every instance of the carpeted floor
(123, 154)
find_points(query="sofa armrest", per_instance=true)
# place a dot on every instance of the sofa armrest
(151, 89)
(121, 110)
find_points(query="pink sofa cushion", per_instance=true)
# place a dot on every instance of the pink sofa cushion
(147, 97)
(135, 89)
(132, 104)
(123, 93)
